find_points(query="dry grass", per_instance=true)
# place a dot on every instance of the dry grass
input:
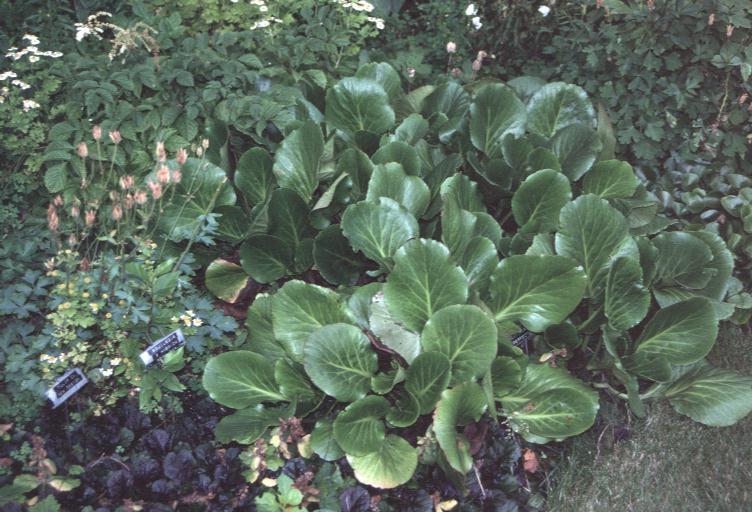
(670, 464)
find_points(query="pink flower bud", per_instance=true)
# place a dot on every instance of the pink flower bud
(75, 212)
(83, 151)
(177, 176)
(117, 212)
(90, 217)
(482, 55)
(128, 202)
(115, 137)
(72, 240)
(114, 196)
(140, 197)
(476, 65)
(456, 72)
(182, 156)
(161, 154)
(163, 174)
(53, 221)
(729, 30)
(711, 19)
(451, 47)
(205, 143)
(127, 182)
(199, 151)
(156, 189)
(58, 201)
(411, 73)
(96, 132)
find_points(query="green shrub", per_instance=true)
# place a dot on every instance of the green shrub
(446, 218)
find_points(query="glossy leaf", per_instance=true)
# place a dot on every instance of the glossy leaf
(225, 280)
(392, 333)
(358, 104)
(392, 465)
(458, 407)
(254, 177)
(359, 429)
(297, 161)
(390, 181)
(240, 379)
(495, 112)
(627, 300)
(426, 378)
(576, 147)
(539, 199)
(323, 442)
(266, 258)
(610, 179)
(335, 259)
(247, 425)
(558, 105)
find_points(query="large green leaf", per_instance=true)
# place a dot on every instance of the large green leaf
(576, 147)
(297, 161)
(550, 404)
(254, 177)
(335, 259)
(627, 300)
(233, 224)
(722, 263)
(451, 100)
(385, 75)
(404, 411)
(682, 263)
(266, 258)
(299, 309)
(479, 260)
(610, 179)
(391, 332)
(359, 168)
(458, 407)
(389, 180)
(682, 333)
(378, 229)
(358, 104)
(391, 466)
(536, 290)
(426, 378)
(240, 379)
(323, 442)
(411, 130)
(423, 281)
(457, 227)
(556, 106)
(539, 199)
(464, 192)
(506, 376)
(288, 217)
(359, 429)
(594, 234)
(712, 396)
(340, 361)
(247, 425)
(225, 280)
(203, 187)
(401, 153)
(495, 112)
(465, 335)
(293, 382)
(260, 331)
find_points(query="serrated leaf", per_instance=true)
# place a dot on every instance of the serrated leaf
(458, 407)
(240, 379)
(466, 336)
(225, 280)
(358, 104)
(299, 309)
(55, 178)
(266, 258)
(536, 290)
(627, 300)
(558, 105)
(423, 281)
(359, 429)
(297, 161)
(610, 179)
(378, 229)
(254, 177)
(340, 361)
(594, 234)
(496, 111)
(391, 466)
(539, 199)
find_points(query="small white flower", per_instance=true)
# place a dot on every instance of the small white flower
(544, 10)
(378, 21)
(477, 23)
(7, 75)
(34, 40)
(263, 8)
(471, 10)
(33, 58)
(106, 373)
(20, 83)
(29, 104)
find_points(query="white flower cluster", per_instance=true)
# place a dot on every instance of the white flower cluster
(472, 10)
(32, 50)
(189, 318)
(358, 5)
(46, 358)
(93, 26)
(260, 4)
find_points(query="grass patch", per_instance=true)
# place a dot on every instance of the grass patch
(670, 464)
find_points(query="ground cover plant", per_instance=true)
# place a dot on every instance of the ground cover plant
(395, 286)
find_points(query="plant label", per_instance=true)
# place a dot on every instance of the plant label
(162, 347)
(66, 386)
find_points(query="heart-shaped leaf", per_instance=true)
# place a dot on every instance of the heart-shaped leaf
(240, 379)
(378, 229)
(558, 105)
(536, 290)
(359, 104)
(359, 429)
(266, 258)
(423, 281)
(225, 280)
(340, 361)
(299, 309)
(390, 181)
(610, 179)
(539, 199)
(576, 147)
(392, 465)
(466, 336)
